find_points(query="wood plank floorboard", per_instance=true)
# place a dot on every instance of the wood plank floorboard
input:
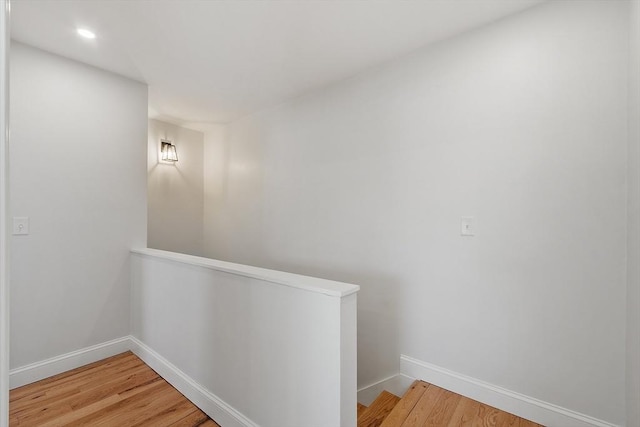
(419, 414)
(406, 404)
(464, 414)
(443, 409)
(375, 414)
(119, 391)
(195, 418)
(425, 405)
(361, 409)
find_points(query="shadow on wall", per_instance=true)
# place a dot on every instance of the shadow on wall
(111, 308)
(378, 316)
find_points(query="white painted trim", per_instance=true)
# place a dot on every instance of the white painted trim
(524, 406)
(211, 404)
(4, 212)
(306, 283)
(56, 365)
(397, 384)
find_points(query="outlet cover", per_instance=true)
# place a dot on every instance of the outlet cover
(20, 225)
(467, 226)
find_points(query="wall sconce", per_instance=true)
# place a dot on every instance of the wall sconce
(168, 151)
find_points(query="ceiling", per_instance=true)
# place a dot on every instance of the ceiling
(215, 61)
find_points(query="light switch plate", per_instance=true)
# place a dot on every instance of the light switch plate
(20, 225)
(467, 227)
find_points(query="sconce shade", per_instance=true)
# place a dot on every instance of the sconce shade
(168, 151)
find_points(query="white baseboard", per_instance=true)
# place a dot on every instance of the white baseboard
(524, 406)
(211, 404)
(56, 365)
(397, 384)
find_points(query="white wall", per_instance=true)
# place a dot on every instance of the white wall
(522, 125)
(633, 223)
(175, 190)
(277, 347)
(4, 196)
(215, 174)
(78, 153)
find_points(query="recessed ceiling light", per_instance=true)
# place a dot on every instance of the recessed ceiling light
(86, 33)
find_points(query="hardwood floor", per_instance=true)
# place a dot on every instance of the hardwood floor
(123, 391)
(425, 404)
(118, 391)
